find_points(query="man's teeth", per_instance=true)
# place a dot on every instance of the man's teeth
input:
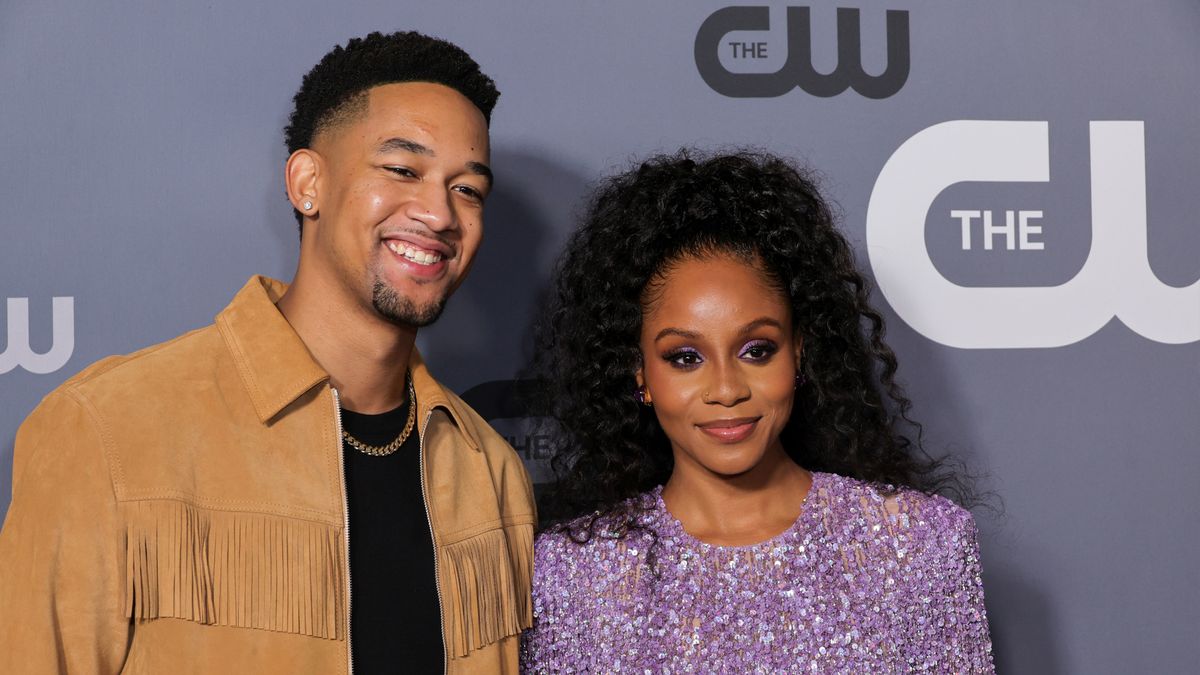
(414, 254)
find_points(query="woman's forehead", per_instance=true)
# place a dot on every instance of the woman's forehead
(720, 288)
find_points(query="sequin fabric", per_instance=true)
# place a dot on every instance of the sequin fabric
(860, 583)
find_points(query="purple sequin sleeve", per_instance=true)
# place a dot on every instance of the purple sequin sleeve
(860, 583)
(541, 646)
(955, 630)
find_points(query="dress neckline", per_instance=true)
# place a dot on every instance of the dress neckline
(675, 529)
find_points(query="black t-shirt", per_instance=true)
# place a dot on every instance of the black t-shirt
(395, 621)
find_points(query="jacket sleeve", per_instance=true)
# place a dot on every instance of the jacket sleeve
(61, 549)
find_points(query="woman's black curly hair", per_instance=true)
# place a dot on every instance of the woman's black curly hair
(850, 415)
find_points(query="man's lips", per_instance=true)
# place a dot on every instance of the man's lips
(731, 430)
(417, 248)
(417, 260)
(419, 243)
(413, 253)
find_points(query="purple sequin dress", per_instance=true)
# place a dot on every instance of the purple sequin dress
(859, 584)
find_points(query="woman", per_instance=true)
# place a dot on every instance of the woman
(736, 494)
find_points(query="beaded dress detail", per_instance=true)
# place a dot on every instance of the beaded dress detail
(860, 583)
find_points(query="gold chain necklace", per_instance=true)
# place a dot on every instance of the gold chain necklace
(385, 450)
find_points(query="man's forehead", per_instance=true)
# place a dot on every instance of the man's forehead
(427, 114)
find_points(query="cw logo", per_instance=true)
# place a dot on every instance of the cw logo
(19, 353)
(1116, 279)
(798, 71)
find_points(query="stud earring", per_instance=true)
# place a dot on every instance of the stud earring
(640, 395)
(307, 205)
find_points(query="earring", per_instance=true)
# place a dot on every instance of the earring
(640, 395)
(800, 378)
(307, 205)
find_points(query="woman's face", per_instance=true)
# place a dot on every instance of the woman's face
(719, 362)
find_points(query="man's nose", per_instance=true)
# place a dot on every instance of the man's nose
(432, 206)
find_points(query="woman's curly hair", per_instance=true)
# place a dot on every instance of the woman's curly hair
(850, 416)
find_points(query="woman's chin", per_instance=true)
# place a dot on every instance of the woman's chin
(732, 467)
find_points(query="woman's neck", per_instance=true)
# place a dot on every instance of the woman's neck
(737, 510)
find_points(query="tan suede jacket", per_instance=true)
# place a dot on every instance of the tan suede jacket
(183, 510)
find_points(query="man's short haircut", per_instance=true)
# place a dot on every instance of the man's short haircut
(335, 89)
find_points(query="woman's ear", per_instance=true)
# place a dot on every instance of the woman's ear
(642, 394)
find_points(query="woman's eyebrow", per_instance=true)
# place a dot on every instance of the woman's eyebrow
(676, 331)
(759, 323)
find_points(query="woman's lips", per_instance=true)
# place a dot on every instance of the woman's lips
(731, 430)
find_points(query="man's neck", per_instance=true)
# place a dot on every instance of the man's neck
(365, 355)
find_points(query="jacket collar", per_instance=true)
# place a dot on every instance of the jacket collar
(431, 394)
(276, 367)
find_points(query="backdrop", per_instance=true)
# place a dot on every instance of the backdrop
(1019, 178)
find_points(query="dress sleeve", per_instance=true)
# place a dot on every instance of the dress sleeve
(538, 643)
(965, 644)
(61, 549)
(544, 646)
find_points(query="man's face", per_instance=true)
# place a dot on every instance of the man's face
(401, 189)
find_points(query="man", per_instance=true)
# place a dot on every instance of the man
(289, 490)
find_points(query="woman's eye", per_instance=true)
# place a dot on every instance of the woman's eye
(684, 359)
(758, 350)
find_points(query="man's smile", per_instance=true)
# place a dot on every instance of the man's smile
(415, 254)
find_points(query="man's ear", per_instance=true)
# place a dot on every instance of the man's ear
(300, 174)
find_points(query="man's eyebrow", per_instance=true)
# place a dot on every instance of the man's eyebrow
(393, 144)
(406, 145)
(481, 170)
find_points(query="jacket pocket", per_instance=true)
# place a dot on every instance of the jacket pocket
(233, 568)
(489, 577)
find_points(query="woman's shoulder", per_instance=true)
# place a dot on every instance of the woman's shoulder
(888, 511)
(593, 539)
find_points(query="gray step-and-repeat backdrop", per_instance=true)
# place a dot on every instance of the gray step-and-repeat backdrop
(1020, 179)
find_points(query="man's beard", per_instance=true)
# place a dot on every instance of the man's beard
(401, 310)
